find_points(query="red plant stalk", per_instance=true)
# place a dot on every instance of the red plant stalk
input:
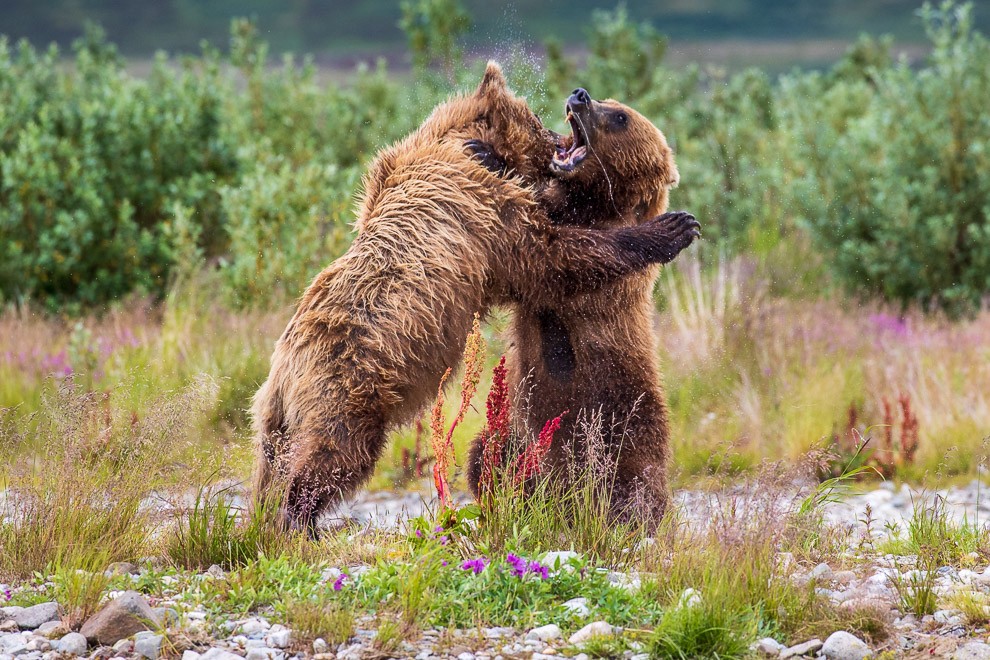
(443, 443)
(497, 429)
(909, 430)
(530, 462)
(440, 466)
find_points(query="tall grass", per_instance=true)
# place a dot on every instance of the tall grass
(81, 470)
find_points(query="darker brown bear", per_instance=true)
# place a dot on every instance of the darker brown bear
(595, 353)
(439, 238)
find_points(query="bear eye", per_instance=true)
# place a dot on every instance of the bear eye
(621, 118)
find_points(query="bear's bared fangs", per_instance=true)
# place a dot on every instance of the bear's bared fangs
(565, 160)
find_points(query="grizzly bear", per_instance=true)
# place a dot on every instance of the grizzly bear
(439, 238)
(595, 353)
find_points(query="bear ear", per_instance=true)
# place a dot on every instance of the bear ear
(493, 80)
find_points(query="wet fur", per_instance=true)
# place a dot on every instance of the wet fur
(596, 352)
(439, 238)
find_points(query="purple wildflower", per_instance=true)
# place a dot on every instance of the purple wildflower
(476, 565)
(339, 582)
(438, 529)
(419, 534)
(537, 567)
(7, 594)
(443, 563)
(444, 540)
(518, 564)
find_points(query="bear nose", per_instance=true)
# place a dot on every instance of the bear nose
(581, 95)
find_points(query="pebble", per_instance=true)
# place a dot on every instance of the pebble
(545, 633)
(841, 645)
(127, 614)
(594, 629)
(579, 606)
(972, 651)
(52, 629)
(220, 654)
(279, 637)
(805, 648)
(320, 646)
(29, 618)
(190, 655)
(822, 572)
(72, 644)
(148, 646)
(264, 653)
(769, 647)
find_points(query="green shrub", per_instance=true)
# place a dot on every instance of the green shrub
(898, 190)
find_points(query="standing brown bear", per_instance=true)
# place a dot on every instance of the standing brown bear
(595, 352)
(439, 238)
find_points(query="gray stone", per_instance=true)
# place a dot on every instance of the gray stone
(822, 572)
(29, 618)
(220, 654)
(72, 644)
(769, 647)
(52, 629)
(122, 617)
(190, 655)
(578, 606)
(279, 637)
(8, 642)
(805, 648)
(841, 645)
(149, 646)
(264, 653)
(124, 647)
(465, 656)
(972, 651)
(545, 633)
(594, 629)
(320, 645)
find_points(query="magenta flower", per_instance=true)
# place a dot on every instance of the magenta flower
(338, 584)
(517, 563)
(540, 569)
(476, 565)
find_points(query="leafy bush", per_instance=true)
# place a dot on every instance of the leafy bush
(898, 177)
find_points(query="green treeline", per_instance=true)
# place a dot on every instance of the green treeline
(112, 183)
(140, 27)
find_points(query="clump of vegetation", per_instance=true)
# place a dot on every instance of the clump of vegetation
(78, 474)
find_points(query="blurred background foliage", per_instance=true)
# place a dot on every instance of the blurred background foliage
(238, 164)
(158, 216)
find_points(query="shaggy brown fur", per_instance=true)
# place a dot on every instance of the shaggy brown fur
(595, 353)
(439, 238)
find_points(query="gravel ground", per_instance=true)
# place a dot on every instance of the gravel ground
(30, 634)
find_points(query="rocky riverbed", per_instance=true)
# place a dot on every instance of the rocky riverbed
(159, 625)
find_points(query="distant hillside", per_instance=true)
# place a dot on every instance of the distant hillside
(338, 27)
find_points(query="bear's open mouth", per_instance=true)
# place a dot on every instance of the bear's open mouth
(567, 158)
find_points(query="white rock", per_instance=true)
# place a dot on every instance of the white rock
(768, 647)
(72, 644)
(972, 651)
(279, 639)
(640, 656)
(578, 606)
(124, 646)
(822, 572)
(148, 646)
(465, 656)
(545, 633)
(220, 654)
(805, 648)
(253, 625)
(841, 645)
(594, 629)
(190, 655)
(320, 645)
(264, 653)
